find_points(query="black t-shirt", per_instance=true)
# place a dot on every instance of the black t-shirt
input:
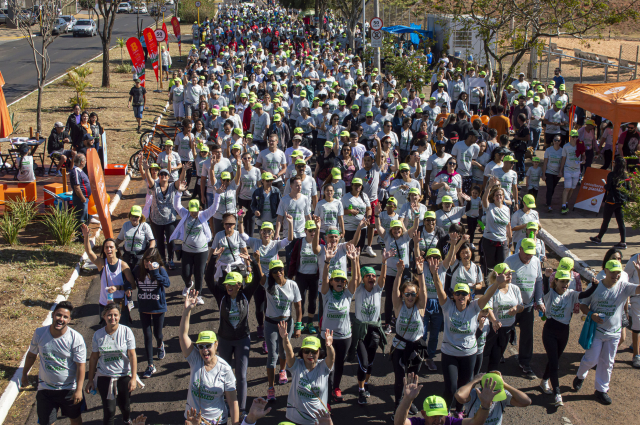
(325, 164)
(138, 95)
(630, 144)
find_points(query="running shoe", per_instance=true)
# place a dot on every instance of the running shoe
(260, 332)
(282, 377)
(161, 352)
(387, 329)
(265, 349)
(186, 290)
(549, 210)
(369, 252)
(171, 265)
(620, 245)
(636, 362)
(546, 388)
(596, 240)
(366, 390)
(431, 365)
(200, 301)
(336, 396)
(151, 369)
(362, 398)
(564, 210)
(528, 372)
(58, 173)
(271, 395)
(310, 329)
(577, 383)
(473, 247)
(558, 400)
(603, 398)
(187, 193)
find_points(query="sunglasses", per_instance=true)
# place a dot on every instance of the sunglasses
(229, 224)
(410, 294)
(309, 351)
(203, 346)
(452, 163)
(460, 293)
(430, 220)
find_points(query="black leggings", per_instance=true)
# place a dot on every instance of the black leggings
(478, 365)
(247, 218)
(160, 232)
(190, 171)
(608, 156)
(609, 211)
(494, 253)
(193, 263)
(260, 298)
(122, 399)
(366, 352)
(555, 336)
(388, 299)
(472, 225)
(399, 373)
(457, 372)
(308, 282)
(341, 348)
(157, 322)
(496, 345)
(552, 181)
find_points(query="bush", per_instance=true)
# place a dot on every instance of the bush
(18, 214)
(9, 229)
(188, 12)
(62, 224)
(123, 68)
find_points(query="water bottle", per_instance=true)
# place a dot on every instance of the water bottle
(109, 297)
(543, 317)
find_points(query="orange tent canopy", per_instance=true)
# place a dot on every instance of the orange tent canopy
(618, 102)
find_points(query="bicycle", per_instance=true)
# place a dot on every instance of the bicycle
(150, 154)
(159, 134)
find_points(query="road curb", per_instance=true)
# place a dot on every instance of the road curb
(13, 389)
(558, 247)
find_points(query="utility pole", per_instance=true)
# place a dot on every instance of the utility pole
(376, 56)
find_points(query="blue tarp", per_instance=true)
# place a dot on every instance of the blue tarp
(413, 29)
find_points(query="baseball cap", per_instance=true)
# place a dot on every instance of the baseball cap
(266, 225)
(435, 406)
(310, 224)
(558, 104)
(574, 133)
(414, 191)
(206, 336)
(297, 137)
(501, 268)
(508, 158)
(344, 133)
(164, 171)
(338, 274)
(433, 251)
(392, 200)
(59, 124)
(566, 263)
(430, 214)
(225, 175)
(532, 225)
(311, 342)
(404, 166)
(563, 274)
(499, 385)
(274, 264)
(613, 266)
(356, 180)
(300, 161)
(395, 223)
(136, 211)
(233, 278)
(194, 205)
(461, 287)
(447, 199)
(336, 173)
(154, 165)
(328, 144)
(454, 136)
(529, 201)
(238, 132)
(267, 176)
(528, 245)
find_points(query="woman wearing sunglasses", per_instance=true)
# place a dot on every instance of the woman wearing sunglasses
(212, 385)
(451, 183)
(409, 301)
(368, 334)
(309, 393)
(283, 297)
(463, 268)
(336, 301)
(459, 345)
(400, 187)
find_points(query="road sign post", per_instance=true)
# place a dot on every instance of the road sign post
(376, 39)
(376, 33)
(198, 4)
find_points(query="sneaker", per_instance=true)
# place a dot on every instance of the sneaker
(595, 240)
(603, 398)
(260, 332)
(413, 410)
(546, 388)
(558, 400)
(271, 395)
(161, 352)
(502, 360)
(528, 372)
(564, 209)
(473, 247)
(171, 265)
(200, 301)
(387, 329)
(310, 329)
(549, 210)
(187, 193)
(282, 377)
(369, 252)
(636, 362)
(366, 390)
(151, 369)
(620, 245)
(431, 365)
(577, 383)
(336, 396)
(362, 398)
(58, 173)
(186, 290)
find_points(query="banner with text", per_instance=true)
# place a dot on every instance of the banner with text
(591, 192)
(152, 48)
(137, 58)
(166, 35)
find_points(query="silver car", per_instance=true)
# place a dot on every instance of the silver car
(85, 27)
(71, 21)
(61, 27)
(124, 7)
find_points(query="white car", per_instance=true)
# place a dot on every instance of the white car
(139, 8)
(61, 27)
(85, 27)
(124, 8)
(169, 2)
(71, 21)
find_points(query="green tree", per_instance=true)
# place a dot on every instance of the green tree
(510, 29)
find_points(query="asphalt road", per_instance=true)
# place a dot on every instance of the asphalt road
(16, 57)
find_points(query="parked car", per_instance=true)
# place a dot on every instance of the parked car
(4, 16)
(61, 27)
(169, 2)
(124, 7)
(28, 17)
(85, 27)
(70, 20)
(139, 8)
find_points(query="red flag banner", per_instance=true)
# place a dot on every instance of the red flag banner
(152, 48)
(166, 34)
(137, 58)
(176, 31)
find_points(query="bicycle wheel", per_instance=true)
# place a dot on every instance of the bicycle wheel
(154, 137)
(133, 161)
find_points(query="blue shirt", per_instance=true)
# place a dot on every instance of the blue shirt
(79, 178)
(429, 58)
(559, 79)
(144, 45)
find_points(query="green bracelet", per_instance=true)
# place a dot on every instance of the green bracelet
(298, 326)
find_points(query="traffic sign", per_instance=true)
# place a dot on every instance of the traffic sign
(198, 4)
(376, 38)
(376, 24)
(163, 9)
(160, 35)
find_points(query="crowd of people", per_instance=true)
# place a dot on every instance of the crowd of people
(287, 133)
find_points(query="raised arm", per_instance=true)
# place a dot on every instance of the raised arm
(98, 261)
(397, 296)
(485, 197)
(186, 345)
(455, 244)
(354, 255)
(433, 268)
(376, 220)
(422, 289)
(329, 254)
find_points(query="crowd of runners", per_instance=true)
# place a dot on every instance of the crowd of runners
(295, 161)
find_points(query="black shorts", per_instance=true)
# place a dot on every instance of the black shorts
(49, 401)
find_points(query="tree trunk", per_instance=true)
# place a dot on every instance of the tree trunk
(106, 75)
